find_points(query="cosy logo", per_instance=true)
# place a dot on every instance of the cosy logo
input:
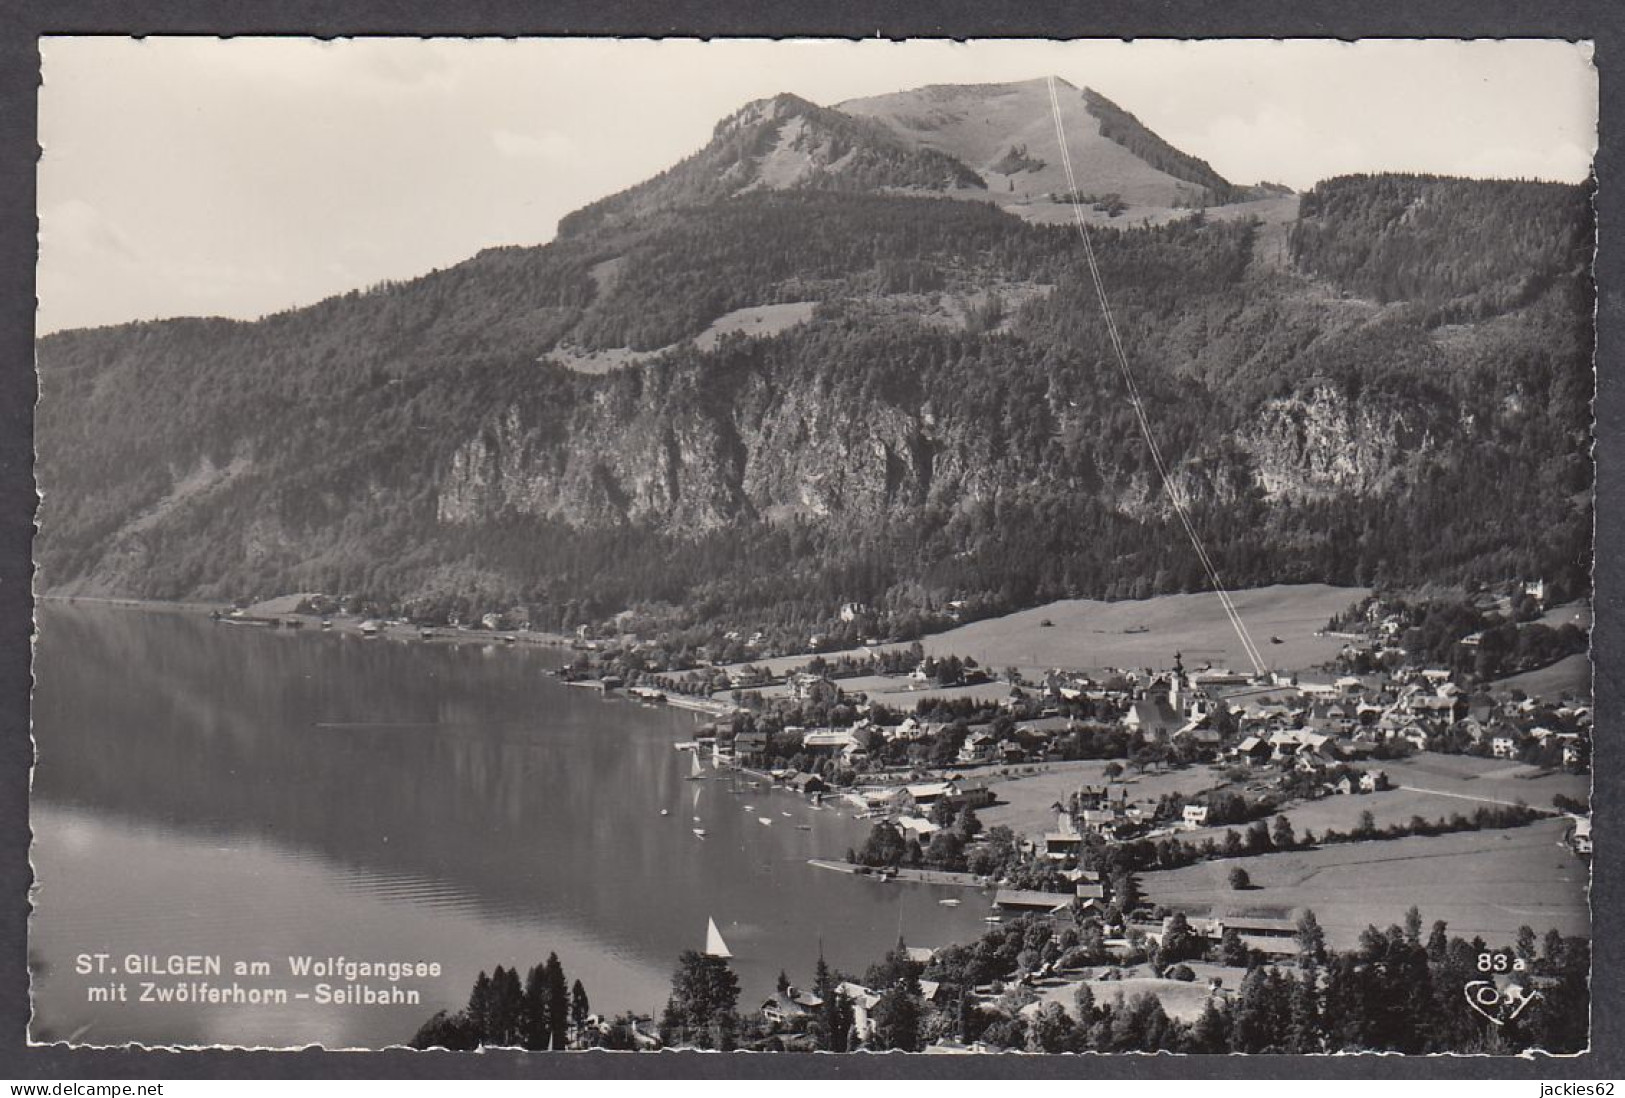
(1500, 1005)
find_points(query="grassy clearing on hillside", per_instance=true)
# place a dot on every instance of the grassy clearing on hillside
(1570, 676)
(1181, 999)
(1085, 633)
(754, 320)
(1577, 614)
(1485, 883)
(278, 606)
(1433, 787)
(905, 693)
(1499, 780)
(980, 127)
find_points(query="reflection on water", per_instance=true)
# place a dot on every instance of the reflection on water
(253, 793)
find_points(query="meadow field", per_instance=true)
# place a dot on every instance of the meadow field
(1430, 786)
(1181, 999)
(900, 692)
(1568, 677)
(1086, 634)
(1483, 883)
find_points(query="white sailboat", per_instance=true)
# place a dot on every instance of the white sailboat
(695, 771)
(714, 945)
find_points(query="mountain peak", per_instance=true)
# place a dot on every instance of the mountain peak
(1006, 133)
(785, 142)
(759, 111)
(987, 142)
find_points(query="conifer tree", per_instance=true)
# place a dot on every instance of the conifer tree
(580, 1008)
(1311, 938)
(479, 1007)
(503, 1021)
(558, 1003)
(537, 1025)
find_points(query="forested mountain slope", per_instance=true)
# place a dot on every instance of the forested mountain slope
(1405, 400)
(783, 143)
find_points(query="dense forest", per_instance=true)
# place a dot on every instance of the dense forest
(541, 1014)
(1480, 247)
(1403, 989)
(1402, 400)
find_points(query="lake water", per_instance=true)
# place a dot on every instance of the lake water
(257, 794)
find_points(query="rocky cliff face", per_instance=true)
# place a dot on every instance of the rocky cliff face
(1321, 444)
(663, 456)
(617, 465)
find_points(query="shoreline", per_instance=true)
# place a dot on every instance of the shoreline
(708, 706)
(339, 623)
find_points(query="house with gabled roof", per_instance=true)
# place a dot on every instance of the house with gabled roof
(1017, 899)
(1373, 781)
(1255, 749)
(1065, 841)
(863, 1002)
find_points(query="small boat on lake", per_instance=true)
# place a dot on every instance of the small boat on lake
(699, 832)
(764, 821)
(696, 772)
(803, 827)
(665, 812)
(714, 945)
(949, 903)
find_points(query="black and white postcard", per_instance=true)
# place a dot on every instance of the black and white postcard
(810, 545)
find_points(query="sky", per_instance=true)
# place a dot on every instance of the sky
(210, 177)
